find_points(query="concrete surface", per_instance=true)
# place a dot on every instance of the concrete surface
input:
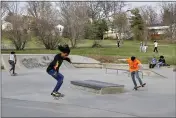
(28, 94)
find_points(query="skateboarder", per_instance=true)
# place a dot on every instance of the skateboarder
(53, 68)
(12, 62)
(134, 65)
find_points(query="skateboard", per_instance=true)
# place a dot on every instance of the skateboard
(14, 74)
(57, 97)
(138, 86)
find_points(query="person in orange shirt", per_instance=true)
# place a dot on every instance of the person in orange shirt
(134, 65)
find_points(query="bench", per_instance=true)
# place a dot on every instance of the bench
(99, 87)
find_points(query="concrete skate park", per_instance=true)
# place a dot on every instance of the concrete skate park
(28, 93)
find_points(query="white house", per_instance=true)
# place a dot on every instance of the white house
(158, 29)
(6, 26)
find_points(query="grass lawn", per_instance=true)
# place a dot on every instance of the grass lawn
(110, 53)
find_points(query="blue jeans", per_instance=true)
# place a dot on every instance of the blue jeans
(59, 77)
(160, 64)
(137, 76)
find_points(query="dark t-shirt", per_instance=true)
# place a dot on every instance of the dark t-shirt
(162, 60)
(57, 62)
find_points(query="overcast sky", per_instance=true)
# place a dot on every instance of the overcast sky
(130, 5)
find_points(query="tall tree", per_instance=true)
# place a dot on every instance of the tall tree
(120, 23)
(74, 18)
(168, 13)
(137, 24)
(44, 21)
(4, 9)
(18, 33)
(100, 28)
(149, 16)
(94, 10)
(109, 8)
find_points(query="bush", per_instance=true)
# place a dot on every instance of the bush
(96, 45)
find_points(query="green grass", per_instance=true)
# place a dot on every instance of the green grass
(130, 48)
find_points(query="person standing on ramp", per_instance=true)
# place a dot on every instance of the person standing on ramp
(53, 68)
(134, 65)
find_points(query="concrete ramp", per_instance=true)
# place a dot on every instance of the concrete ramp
(29, 61)
(41, 61)
(99, 87)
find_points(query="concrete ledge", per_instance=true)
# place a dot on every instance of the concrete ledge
(98, 87)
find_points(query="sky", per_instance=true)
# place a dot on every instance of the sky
(130, 5)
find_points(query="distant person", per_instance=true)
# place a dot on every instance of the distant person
(145, 48)
(153, 62)
(12, 62)
(134, 65)
(162, 62)
(53, 68)
(155, 46)
(118, 43)
(141, 46)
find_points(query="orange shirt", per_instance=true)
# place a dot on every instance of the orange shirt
(133, 65)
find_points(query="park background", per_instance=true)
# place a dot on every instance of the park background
(90, 28)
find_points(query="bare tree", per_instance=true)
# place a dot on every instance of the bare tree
(110, 8)
(149, 16)
(74, 18)
(120, 23)
(44, 23)
(168, 13)
(18, 33)
(3, 9)
(94, 10)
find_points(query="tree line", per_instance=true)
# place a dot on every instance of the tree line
(81, 20)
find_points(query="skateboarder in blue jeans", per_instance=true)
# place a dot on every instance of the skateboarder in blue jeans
(53, 68)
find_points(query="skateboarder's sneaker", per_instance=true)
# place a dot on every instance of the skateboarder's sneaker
(60, 94)
(55, 94)
(143, 84)
(135, 88)
(14, 74)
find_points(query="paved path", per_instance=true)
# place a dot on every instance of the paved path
(28, 94)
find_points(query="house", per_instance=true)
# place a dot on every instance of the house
(6, 26)
(158, 31)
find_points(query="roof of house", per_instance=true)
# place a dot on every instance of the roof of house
(158, 27)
